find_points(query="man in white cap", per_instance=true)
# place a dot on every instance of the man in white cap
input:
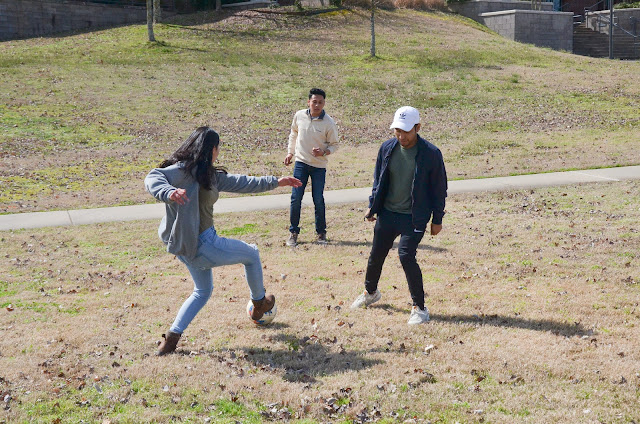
(409, 190)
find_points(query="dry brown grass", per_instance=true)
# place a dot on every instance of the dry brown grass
(421, 4)
(533, 296)
(366, 4)
(493, 106)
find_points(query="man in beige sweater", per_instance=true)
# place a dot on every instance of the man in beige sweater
(313, 137)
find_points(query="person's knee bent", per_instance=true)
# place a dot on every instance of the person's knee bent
(203, 294)
(407, 259)
(253, 255)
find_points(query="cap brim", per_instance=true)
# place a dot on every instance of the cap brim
(404, 126)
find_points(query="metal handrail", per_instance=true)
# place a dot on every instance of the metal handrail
(603, 20)
(607, 21)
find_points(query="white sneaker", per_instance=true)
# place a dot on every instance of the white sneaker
(292, 241)
(418, 316)
(366, 299)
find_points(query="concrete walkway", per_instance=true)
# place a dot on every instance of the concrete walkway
(334, 197)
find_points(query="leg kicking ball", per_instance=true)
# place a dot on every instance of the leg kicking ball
(266, 318)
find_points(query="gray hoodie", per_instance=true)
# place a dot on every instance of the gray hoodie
(179, 228)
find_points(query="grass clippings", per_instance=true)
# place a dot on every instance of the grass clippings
(533, 297)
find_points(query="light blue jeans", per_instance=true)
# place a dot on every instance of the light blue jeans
(216, 251)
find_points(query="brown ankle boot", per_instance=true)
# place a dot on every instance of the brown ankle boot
(169, 343)
(262, 306)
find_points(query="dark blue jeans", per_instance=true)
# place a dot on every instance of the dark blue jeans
(390, 225)
(302, 171)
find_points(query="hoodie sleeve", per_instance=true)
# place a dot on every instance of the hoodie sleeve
(438, 189)
(158, 186)
(235, 183)
(376, 175)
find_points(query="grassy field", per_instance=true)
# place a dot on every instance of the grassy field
(533, 298)
(84, 117)
(533, 294)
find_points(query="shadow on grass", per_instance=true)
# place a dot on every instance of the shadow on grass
(254, 17)
(554, 327)
(307, 358)
(395, 245)
(557, 328)
(163, 45)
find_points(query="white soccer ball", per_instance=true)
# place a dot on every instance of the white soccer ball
(266, 318)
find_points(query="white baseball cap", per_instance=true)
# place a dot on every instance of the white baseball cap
(405, 118)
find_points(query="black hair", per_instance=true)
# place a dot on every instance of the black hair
(196, 152)
(317, 91)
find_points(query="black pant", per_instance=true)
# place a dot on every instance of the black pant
(389, 226)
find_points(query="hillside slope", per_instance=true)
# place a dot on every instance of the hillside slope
(83, 117)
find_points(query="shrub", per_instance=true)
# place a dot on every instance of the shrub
(627, 5)
(402, 4)
(366, 4)
(421, 4)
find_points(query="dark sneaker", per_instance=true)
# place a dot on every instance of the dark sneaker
(292, 240)
(322, 238)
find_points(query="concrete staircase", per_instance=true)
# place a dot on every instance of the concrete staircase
(587, 42)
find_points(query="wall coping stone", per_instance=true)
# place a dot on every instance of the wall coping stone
(603, 12)
(533, 12)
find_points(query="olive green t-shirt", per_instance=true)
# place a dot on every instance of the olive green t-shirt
(402, 167)
(206, 199)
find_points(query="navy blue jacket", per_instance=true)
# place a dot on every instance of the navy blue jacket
(429, 188)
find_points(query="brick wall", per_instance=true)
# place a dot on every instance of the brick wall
(543, 29)
(33, 18)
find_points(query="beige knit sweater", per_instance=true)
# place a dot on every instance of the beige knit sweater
(306, 134)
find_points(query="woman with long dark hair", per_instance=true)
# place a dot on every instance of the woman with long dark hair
(189, 185)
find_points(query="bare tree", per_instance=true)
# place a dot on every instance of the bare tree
(152, 37)
(157, 11)
(373, 28)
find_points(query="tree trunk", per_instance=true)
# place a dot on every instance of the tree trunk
(157, 11)
(152, 37)
(373, 29)
(218, 5)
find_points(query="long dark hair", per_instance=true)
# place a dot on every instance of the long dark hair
(196, 153)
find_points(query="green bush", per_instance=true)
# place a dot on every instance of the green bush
(627, 5)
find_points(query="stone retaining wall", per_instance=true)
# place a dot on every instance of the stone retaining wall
(474, 9)
(33, 18)
(543, 29)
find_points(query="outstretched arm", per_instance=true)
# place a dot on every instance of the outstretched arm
(289, 181)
